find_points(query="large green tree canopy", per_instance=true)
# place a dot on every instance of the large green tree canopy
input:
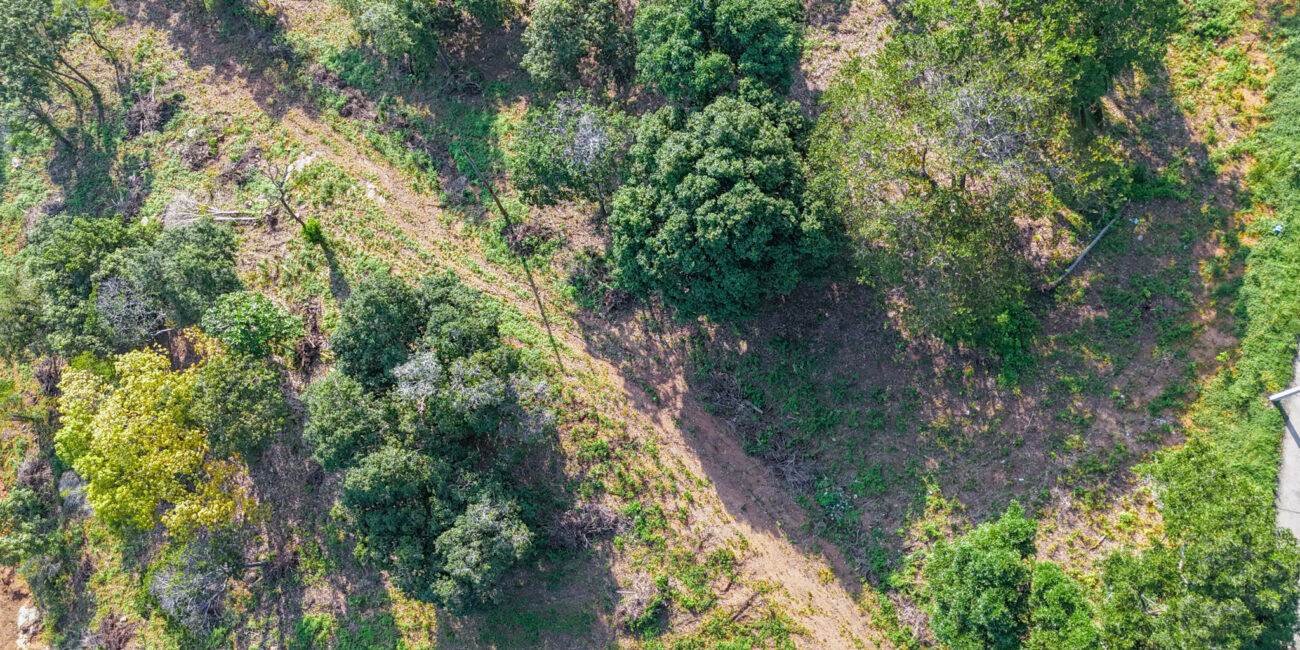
(691, 50)
(715, 216)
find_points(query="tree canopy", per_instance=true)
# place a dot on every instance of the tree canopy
(571, 149)
(562, 34)
(714, 216)
(132, 441)
(692, 51)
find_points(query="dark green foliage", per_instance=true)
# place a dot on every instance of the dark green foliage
(461, 321)
(414, 491)
(397, 502)
(562, 33)
(248, 323)
(343, 421)
(103, 287)
(570, 150)
(20, 310)
(188, 267)
(978, 586)
(691, 51)
(378, 325)
(714, 216)
(239, 403)
(62, 255)
(1060, 616)
(27, 514)
(486, 539)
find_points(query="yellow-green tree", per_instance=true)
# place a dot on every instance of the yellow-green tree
(131, 441)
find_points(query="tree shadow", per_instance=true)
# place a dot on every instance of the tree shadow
(859, 428)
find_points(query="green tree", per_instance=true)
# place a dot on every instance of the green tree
(570, 150)
(561, 34)
(248, 323)
(187, 268)
(343, 421)
(62, 256)
(480, 546)
(1224, 576)
(1087, 45)
(378, 325)
(978, 586)
(460, 320)
(932, 150)
(239, 403)
(691, 51)
(714, 216)
(133, 443)
(410, 30)
(34, 34)
(398, 503)
(1061, 618)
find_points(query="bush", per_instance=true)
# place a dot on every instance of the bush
(343, 421)
(189, 582)
(239, 403)
(692, 51)
(378, 324)
(978, 587)
(570, 150)
(715, 216)
(562, 33)
(1225, 576)
(248, 323)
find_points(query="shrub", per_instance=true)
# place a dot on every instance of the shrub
(715, 215)
(1225, 576)
(343, 421)
(460, 320)
(1060, 616)
(248, 323)
(189, 582)
(187, 268)
(397, 502)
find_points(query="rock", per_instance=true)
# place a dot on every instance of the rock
(29, 628)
